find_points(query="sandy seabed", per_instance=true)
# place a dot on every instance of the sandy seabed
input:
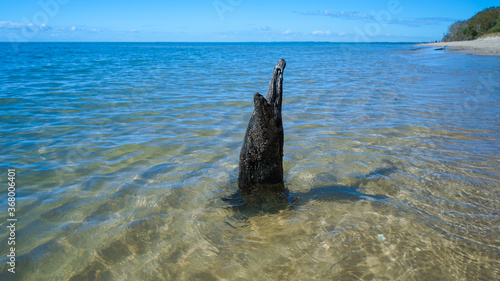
(483, 46)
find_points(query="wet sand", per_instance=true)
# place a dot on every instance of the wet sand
(483, 46)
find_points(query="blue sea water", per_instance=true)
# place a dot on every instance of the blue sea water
(123, 152)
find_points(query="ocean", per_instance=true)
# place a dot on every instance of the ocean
(122, 153)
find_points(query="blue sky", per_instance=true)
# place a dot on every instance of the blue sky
(232, 20)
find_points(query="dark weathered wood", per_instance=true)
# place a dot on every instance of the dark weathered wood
(261, 156)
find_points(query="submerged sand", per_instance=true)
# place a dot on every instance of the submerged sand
(482, 46)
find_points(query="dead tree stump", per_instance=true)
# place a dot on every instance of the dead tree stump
(261, 156)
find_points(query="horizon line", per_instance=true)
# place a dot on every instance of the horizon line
(354, 42)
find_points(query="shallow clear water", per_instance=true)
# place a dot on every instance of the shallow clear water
(123, 152)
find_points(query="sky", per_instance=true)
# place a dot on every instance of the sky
(232, 20)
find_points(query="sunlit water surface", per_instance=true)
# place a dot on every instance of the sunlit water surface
(123, 152)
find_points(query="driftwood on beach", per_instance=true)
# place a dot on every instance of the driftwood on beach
(261, 156)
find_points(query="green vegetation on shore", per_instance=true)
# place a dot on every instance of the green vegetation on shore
(483, 23)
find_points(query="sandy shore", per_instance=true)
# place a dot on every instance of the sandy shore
(482, 46)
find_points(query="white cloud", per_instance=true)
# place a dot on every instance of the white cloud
(353, 15)
(11, 25)
(21, 26)
(288, 32)
(338, 14)
(320, 32)
(44, 27)
(343, 14)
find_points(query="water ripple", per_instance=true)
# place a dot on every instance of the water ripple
(124, 151)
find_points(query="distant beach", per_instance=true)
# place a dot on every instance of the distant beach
(482, 46)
